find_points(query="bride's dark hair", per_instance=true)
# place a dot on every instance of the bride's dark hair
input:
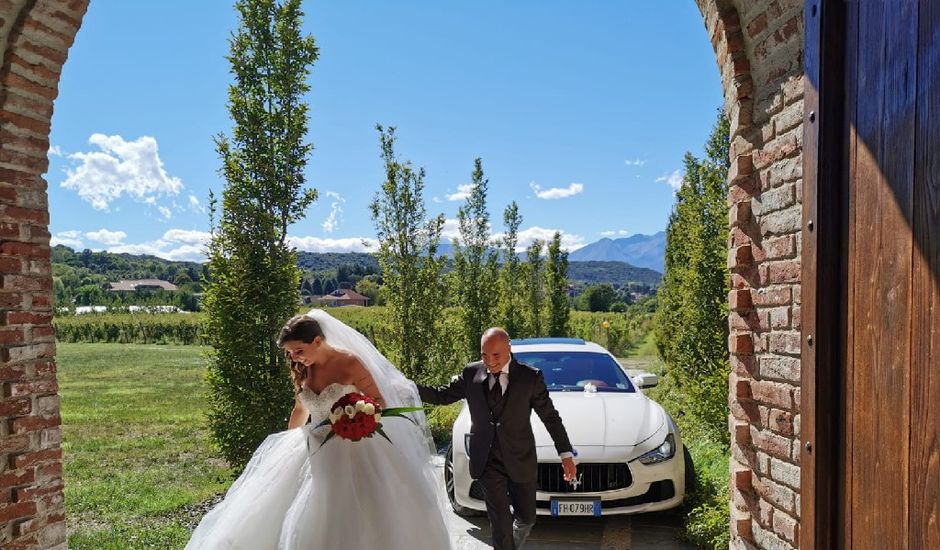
(299, 328)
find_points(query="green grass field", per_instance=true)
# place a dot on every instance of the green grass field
(138, 462)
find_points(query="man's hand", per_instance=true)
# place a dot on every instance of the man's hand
(571, 471)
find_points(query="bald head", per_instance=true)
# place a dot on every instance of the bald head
(495, 348)
(495, 333)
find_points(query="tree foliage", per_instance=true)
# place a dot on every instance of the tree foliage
(556, 284)
(253, 269)
(691, 323)
(474, 277)
(411, 269)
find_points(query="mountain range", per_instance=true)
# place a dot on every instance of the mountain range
(638, 250)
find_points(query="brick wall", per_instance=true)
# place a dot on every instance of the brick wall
(34, 43)
(758, 45)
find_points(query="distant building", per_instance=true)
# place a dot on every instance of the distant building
(337, 298)
(141, 284)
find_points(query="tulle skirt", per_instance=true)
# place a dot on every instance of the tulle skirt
(298, 493)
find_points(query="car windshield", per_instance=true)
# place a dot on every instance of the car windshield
(572, 370)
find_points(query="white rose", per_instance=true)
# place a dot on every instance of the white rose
(360, 405)
(334, 417)
(378, 416)
(338, 411)
(368, 408)
(350, 411)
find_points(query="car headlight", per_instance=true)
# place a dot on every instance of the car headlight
(664, 452)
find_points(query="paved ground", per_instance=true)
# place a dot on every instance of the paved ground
(656, 531)
(643, 532)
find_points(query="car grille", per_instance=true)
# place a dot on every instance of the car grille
(658, 491)
(594, 478)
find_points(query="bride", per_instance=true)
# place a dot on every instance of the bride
(297, 493)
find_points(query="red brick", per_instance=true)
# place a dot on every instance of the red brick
(30, 459)
(26, 214)
(14, 336)
(37, 387)
(16, 511)
(15, 443)
(757, 25)
(740, 213)
(740, 258)
(39, 127)
(785, 343)
(10, 299)
(740, 299)
(56, 56)
(45, 368)
(7, 194)
(26, 318)
(772, 393)
(17, 477)
(9, 230)
(31, 493)
(35, 423)
(771, 443)
(742, 480)
(10, 264)
(42, 302)
(740, 343)
(16, 407)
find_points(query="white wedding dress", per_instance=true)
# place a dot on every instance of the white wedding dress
(299, 493)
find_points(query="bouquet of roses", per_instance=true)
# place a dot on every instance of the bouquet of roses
(356, 415)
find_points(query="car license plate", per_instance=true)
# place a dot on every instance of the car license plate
(575, 507)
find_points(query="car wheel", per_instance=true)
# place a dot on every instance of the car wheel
(462, 511)
(690, 479)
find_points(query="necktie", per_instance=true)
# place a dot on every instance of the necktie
(496, 391)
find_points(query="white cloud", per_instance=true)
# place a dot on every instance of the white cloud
(187, 236)
(617, 233)
(634, 162)
(55, 151)
(131, 168)
(71, 239)
(556, 192)
(436, 199)
(450, 230)
(463, 191)
(569, 241)
(108, 238)
(673, 180)
(317, 244)
(183, 253)
(165, 212)
(336, 212)
(195, 205)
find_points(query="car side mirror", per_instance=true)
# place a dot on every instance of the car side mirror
(646, 380)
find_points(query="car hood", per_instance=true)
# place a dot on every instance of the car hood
(603, 419)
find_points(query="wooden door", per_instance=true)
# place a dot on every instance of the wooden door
(872, 462)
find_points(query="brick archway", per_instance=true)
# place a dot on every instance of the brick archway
(759, 48)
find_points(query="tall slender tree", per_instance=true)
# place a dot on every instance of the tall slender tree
(475, 269)
(411, 268)
(511, 307)
(556, 283)
(535, 289)
(253, 269)
(691, 322)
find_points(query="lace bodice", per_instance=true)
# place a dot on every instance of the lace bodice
(319, 403)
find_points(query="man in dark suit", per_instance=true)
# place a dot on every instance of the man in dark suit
(501, 394)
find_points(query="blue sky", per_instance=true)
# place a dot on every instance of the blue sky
(581, 112)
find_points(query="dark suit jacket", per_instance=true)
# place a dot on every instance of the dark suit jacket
(525, 393)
